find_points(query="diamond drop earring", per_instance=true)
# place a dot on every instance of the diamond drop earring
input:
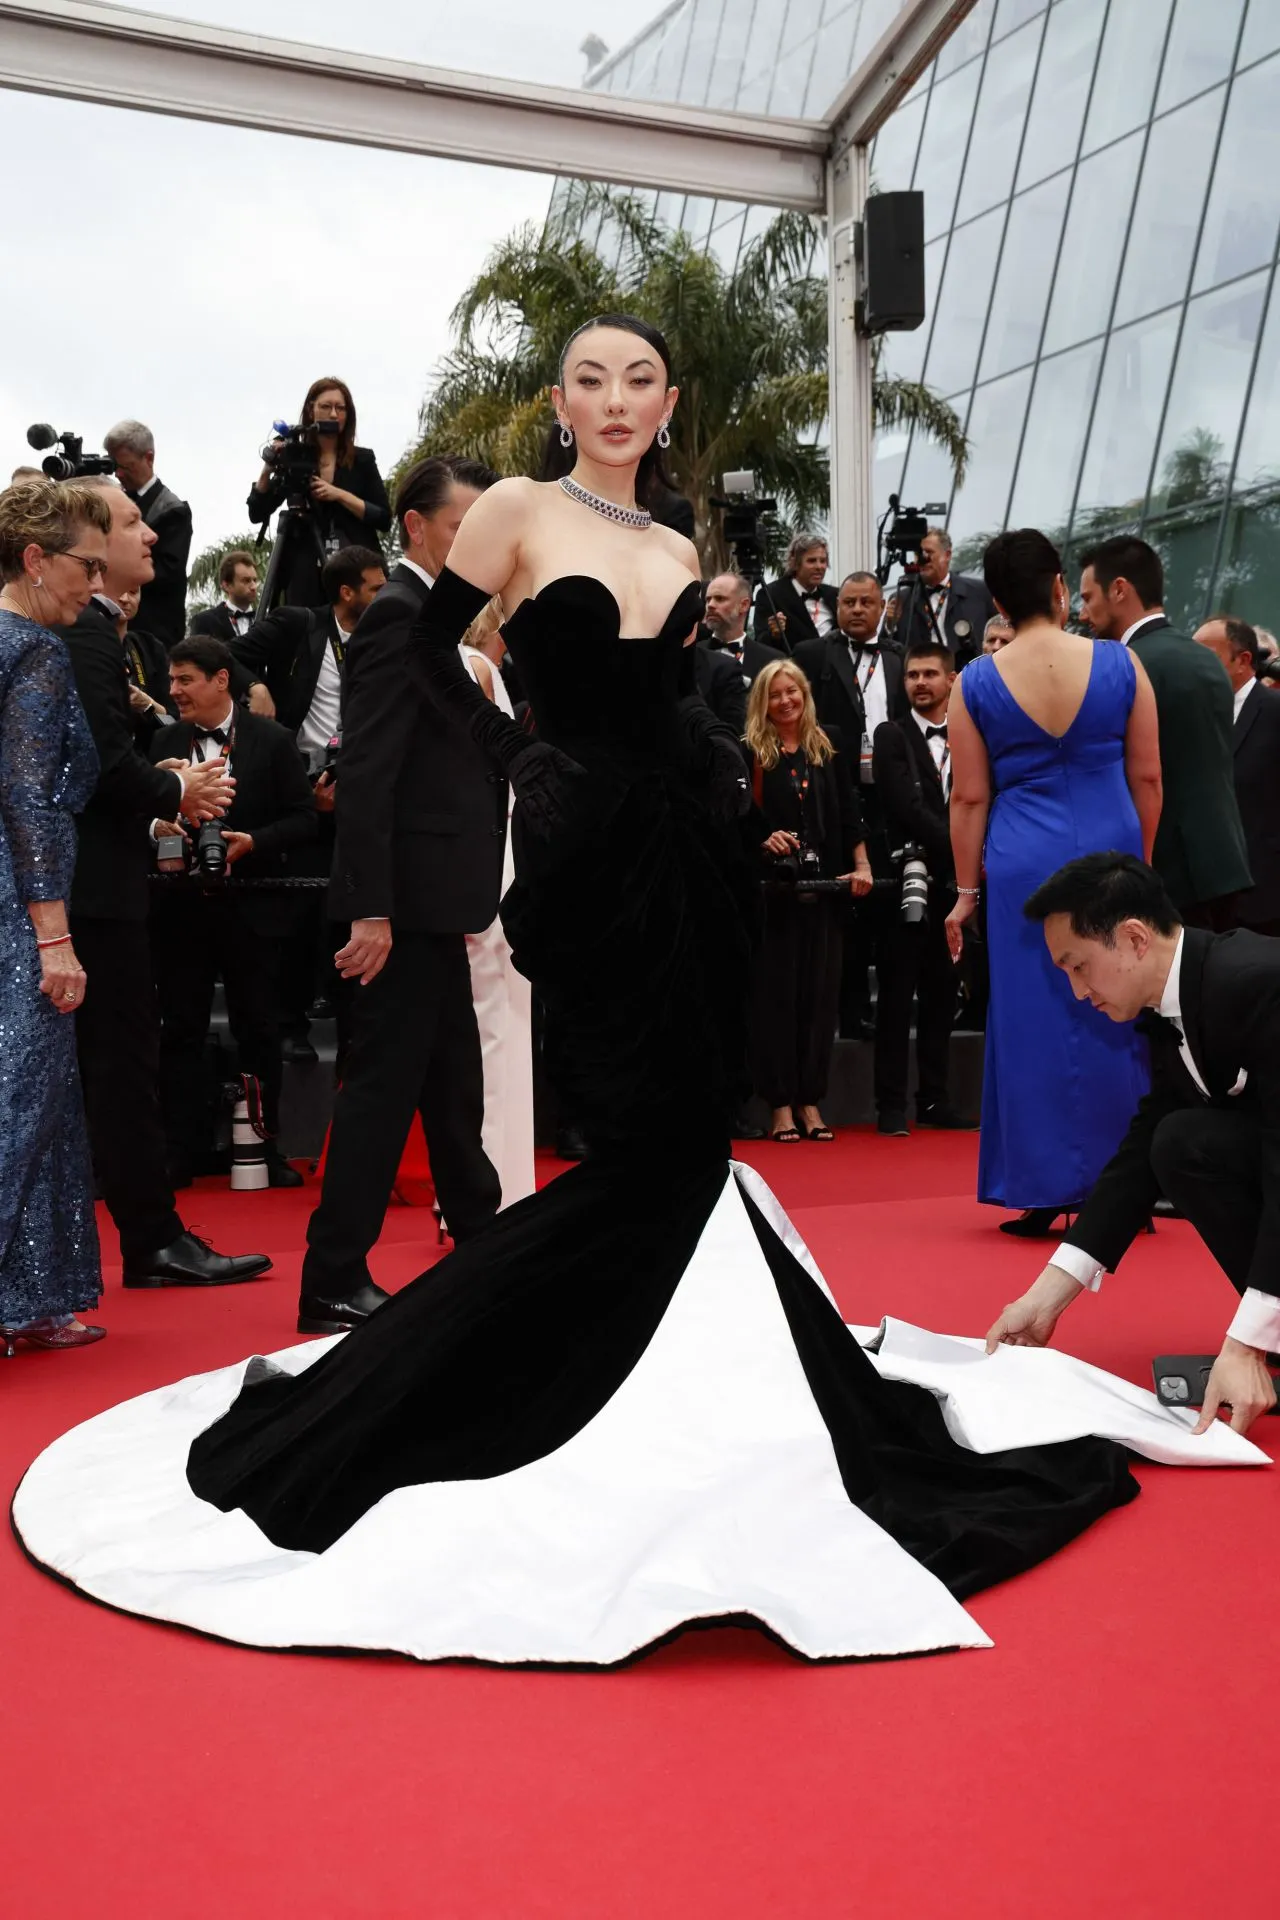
(664, 435)
(566, 436)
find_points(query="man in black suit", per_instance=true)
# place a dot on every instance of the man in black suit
(952, 606)
(235, 613)
(799, 605)
(422, 821)
(857, 685)
(164, 598)
(1200, 850)
(1208, 1133)
(1255, 741)
(117, 1029)
(912, 764)
(199, 933)
(728, 603)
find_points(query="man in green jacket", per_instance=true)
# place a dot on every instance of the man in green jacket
(1200, 847)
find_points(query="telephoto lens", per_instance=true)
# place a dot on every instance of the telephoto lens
(915, 884)
(211, 852)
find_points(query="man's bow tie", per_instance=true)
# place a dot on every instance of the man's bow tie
(212, 733)
(861, 646)
(936, 733)
(734, 647)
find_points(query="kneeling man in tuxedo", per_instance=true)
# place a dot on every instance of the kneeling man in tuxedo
(1207, 1135)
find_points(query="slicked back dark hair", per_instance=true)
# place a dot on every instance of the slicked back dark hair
(1099, 891)
(1020, 568)
(1125, 557)
(472, 473)
(651, 475)
(203, 650)
(347, 568)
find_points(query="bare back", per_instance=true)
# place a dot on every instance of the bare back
(1047, 672)
(523, 534)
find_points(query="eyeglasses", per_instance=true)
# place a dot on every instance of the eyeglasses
(93, 569)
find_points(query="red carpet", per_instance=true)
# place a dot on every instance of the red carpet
(1110, 1758)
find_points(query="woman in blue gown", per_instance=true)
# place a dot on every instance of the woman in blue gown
(1054, 753)
(52, 550)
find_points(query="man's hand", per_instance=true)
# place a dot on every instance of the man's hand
(260, 700)
(778, 625)
(326, 793)
(141, 702)
(1030, 1322)
(238, 844)
(1240, 1381)
(365, 953)
(207, 791)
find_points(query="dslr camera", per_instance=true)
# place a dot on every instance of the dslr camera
(915, 883)
(69, 461)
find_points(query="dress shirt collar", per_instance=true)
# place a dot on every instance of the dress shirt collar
(924, 723)
(217, 726)
(1242, 694)
(140, 493)
(1170, 1007)
(943, 586)
(238, 613)
(421, 572)
(110, 606)
(1138, 625)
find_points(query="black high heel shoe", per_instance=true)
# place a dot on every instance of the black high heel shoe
(1036, 1223)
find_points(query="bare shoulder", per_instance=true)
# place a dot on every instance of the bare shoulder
(679, 548)
(508, 501)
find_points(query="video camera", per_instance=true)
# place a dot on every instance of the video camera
(70, 462)
(743, 511)
(294, 454)
(900, 536)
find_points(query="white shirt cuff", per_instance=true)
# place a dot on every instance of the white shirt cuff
(1080, 1265)
(1257, 1321)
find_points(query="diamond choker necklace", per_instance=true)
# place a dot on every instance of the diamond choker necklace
(623, 516)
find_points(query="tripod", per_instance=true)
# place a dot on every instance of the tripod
(912, 596)
(297, 535)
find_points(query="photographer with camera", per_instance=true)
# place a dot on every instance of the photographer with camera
(952, 608)
(912, 761)
(807, 822)
(204, 925)
(332, 492)
(118, 1033)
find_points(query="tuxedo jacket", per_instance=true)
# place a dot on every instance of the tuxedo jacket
(273, 802)
(285, 649)
(1255, 742)
(911, 797)
(421, 814)
(1230, 997)
(1200, 847)
(968, 605)
(784, 596)
(162, 609)
(836, 692)
(216, 622)
(114, 856)
(723, 684)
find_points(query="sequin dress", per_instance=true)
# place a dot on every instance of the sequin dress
(49, 1260)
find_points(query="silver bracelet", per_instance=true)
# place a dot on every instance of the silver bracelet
(972, 891)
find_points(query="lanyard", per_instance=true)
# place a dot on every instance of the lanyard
(139, 672)
(224, 752)
(871, 671)
(799, 783)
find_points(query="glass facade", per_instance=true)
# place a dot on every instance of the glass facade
(1102, 215)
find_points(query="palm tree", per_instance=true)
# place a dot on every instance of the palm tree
(750, 350)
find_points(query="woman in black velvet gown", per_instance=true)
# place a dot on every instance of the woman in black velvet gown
(630, 1402)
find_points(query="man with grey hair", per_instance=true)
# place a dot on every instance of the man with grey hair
(953, 607)
(799, 605)
(997, 633)
(163, 607)
(727, 606)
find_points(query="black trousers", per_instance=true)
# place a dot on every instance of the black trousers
(118, 1040)
(414, 1045)
(195, 936)
(916, 966)
(1209, 1163)
(795, 998)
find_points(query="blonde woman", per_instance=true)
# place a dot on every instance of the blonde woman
(809, 824)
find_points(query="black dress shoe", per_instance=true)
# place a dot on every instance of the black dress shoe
(1036, 1223)
(945, 1118)
(337, 1316)
(281, 1174)
(190, 1261)
(571, 1143)
(296, 1048)
(893, 1125)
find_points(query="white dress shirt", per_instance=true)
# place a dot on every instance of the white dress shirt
(1242, 694)
(939, 748)
(325, 711)
(868, 671)
(242, 618)
(142, 492)
(818, 610)
(1138, 625)
(1257, 1319)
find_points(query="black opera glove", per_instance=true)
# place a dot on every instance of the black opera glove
(710, 751)
(541, 775)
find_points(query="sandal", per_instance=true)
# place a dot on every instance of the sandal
(787, 1136)
(820, 1133)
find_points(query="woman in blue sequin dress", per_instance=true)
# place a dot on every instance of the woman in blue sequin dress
(52, 549)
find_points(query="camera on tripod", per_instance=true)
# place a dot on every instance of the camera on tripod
(900, 536)
(744, 512)
(294, 455)
(70, 461)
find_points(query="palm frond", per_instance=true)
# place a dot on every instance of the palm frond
(909, 403)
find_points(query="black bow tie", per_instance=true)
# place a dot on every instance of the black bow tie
(734, 647)
(862, 646)
(936, 733)
(212, 733)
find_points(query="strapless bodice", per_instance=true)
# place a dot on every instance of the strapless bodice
(585, 679)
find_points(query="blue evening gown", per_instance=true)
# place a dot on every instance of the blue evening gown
(49, 1259)
(1061, 1080)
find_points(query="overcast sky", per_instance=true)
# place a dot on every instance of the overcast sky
(200, 277)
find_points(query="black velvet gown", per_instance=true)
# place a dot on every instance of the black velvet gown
(630, 1402)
